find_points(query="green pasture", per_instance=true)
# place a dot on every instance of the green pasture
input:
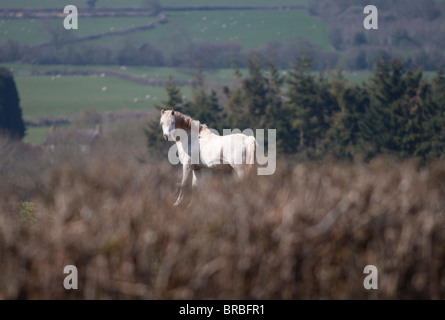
(182, 74)
(46, 96)
(249, 28)
(161, 73)
(221, 76)
(36, 134)
(28, 31)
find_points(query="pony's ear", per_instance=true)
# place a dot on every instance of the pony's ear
(173, 112)
(162, 111)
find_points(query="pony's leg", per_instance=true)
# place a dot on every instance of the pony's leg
(239, 171)
(196, 175)
(194, 194)
(185, 184)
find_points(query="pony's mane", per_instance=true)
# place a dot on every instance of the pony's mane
(185, 122)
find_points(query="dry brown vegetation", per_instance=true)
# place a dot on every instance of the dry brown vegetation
(306, 232)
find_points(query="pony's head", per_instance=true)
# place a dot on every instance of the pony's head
(167, 123)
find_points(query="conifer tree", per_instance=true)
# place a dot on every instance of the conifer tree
(247, 104)
(174, 101)
(407, 119)
(350, 134)
(205, 106)
(387, 87)
(277, 114)
(11, 120)
(174, 97)
(257, 103)
(434, 146)
(438, 89)
(312, 104)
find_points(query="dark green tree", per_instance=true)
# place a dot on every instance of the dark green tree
(257, 103)
(277, 115)
(434, 145)
(413, 113)
(205, 106)
(408, 121)
(312, 105)
(153, 132)
(246, 105)
(438, 89)
(387, 87)
(11, 120)
(350, 134)
(174, 96)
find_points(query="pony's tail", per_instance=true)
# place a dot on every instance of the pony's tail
(251, 155)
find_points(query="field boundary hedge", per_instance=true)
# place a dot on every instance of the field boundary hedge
(35, 13)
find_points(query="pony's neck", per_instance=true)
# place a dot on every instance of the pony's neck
(186, 123)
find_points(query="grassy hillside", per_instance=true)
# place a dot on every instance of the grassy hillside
(250, 28)
(48, 96)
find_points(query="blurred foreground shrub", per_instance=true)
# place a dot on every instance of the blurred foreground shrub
(306, 232)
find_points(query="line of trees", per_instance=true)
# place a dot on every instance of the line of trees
(396, 112)
(61, 51)
(64, 50)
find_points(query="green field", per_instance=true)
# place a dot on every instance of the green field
(221, 76)
(249, 28)
(42, 96)
(36, 134)
(218, 76)
(161, 73)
